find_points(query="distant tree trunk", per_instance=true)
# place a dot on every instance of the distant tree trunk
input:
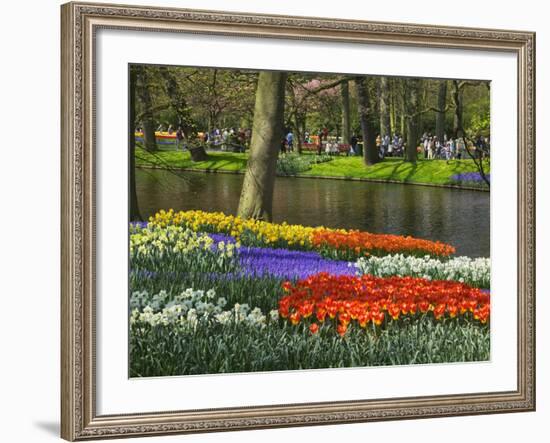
(298, 134)
(256, 199)
(178, 102)
(346, 124)
(368, 124)
(385, 125)
(440, 115)
(142, 87)
(402, 85)
(413, 89)
(392, 108)
(134, 208)
(458, 128)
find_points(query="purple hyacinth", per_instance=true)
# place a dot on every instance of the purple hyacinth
(287, 264)
(472, 177)
(283, 263)
(222, 238)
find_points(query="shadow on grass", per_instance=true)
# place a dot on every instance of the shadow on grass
(223, 161)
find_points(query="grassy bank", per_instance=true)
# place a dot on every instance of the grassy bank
(436, 172)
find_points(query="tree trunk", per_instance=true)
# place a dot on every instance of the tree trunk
(346, 124)
(256, 199)
(178, 102)
(458, 128)
(134, 208)
(298, 134)
(367, 119)
(142, 87)
(440, 115)
(413, 89)
(385, 126)
(198, 154)
(392, 108)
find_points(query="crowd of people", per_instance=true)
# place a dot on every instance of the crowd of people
(226, 138)
(430, 146)
(452, 148)
(390, 146)
(229, 138)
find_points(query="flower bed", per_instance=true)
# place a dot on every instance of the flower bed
(369, 299)
(281, 297)
(351, 244)
(475, 272)
(473, 179)
(335, 243)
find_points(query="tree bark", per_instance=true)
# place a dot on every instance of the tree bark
(458, 127)
(346, 124)
(392, 107)
(368, 122)
(134, 207)
(413, 89)
(385, 125)
(144, 94)
(256, 199)
(298, 134)
(440, 115)
(402, 111)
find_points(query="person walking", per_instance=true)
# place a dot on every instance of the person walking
(320, 142)
(290, 141)
(283, 145)
(430, 149)
(426, 145)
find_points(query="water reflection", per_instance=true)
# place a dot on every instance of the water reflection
(458, 217)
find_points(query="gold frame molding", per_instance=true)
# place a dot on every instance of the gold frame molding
(79, 22)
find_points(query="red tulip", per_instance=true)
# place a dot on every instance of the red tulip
(314, 328)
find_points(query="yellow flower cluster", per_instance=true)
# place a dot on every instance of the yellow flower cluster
(218, 222)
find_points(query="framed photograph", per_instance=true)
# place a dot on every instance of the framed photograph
(277, 221)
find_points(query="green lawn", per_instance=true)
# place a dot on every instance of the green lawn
(225, 161)
(424, 171)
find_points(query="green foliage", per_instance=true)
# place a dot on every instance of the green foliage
(293, 164)
(480, 122)
(477, 111)
(215, 348)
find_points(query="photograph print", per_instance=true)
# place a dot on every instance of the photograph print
(286, 221)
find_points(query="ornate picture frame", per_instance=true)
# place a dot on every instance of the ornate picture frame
(80, 22)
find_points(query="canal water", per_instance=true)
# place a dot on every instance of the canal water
(458, 217)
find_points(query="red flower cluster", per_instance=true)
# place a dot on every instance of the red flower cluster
(371, 299)
(364, 243)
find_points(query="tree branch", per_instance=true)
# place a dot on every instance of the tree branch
(431, 108)
(326, 86)
(477, 161)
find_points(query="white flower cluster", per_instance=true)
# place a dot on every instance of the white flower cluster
(153, 239)
(473, 271)
(192, 306)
